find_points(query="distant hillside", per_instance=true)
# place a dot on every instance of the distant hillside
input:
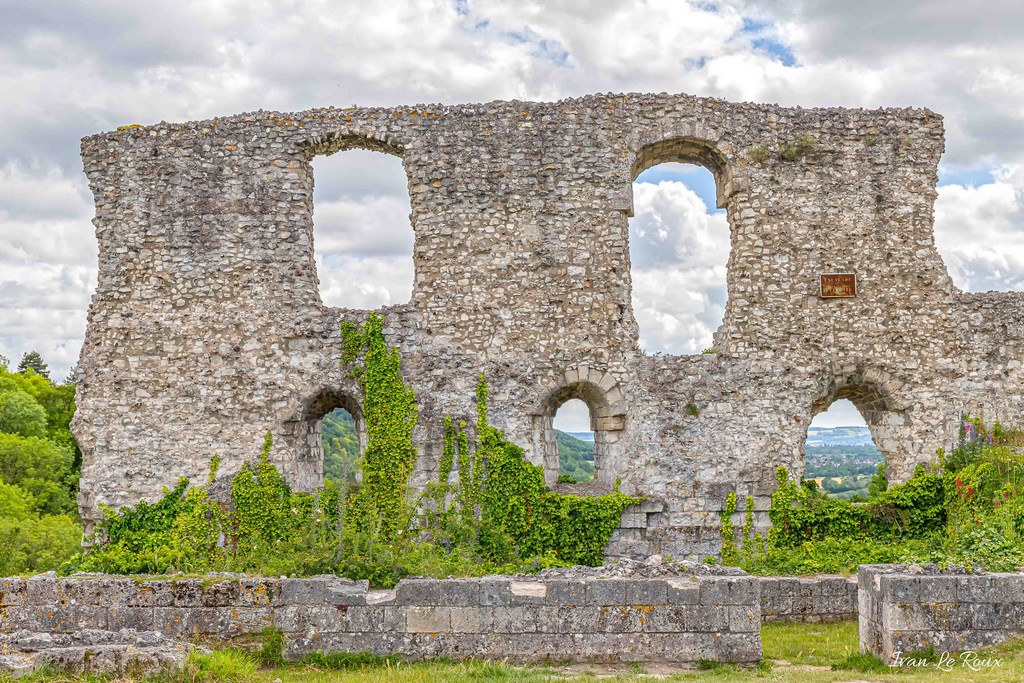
(575, 456)
(582, 436)
(839, 436)
(341, 446)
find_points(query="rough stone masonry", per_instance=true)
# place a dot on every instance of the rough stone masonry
(207, 328)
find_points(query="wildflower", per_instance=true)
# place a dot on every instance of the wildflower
(970, 489)
(1006, 495)
(998, 504)
(959, 481)
(295, 511)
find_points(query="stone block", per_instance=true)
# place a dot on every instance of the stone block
(153, 594)
(515, 619)
(528, 592)
(428, 619)
(495, 592)
(41, 589)
(258, 592)
(12, 591)
(731, 590)
(633, 521)
(606, 591)
(683, 591)
(744, 619)
(174, 622)
(472, 619)
(90, 617)
(647, 592)
(975, 588)
(440, 593)
(347, 593)
(221, 594)
(327, 618)
(52, 618)
(566, 592)
(186, 592)
(652, 505)
(303, 591)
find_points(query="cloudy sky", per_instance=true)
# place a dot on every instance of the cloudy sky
(69, 69)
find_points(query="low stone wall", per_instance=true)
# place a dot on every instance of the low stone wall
(808, 599)
(903, 612)
(674, 619)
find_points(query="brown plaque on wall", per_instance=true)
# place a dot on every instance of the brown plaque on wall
(838, 285)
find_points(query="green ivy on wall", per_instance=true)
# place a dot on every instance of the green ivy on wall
(497, 516)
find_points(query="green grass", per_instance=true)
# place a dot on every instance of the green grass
(798, 653)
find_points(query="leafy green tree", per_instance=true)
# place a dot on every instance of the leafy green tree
(33, 360)
(16, 504)
(21, 414)
(40, 467)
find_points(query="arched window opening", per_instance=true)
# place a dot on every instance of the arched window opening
(679, 250)
(361, 233)
(575, 437)
(330, 435)
(340, 445)
(582, 408)
(841, 455)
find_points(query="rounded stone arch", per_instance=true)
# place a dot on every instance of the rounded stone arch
(685, 149)
(337, 141)
(876, 395)
(688, 146)
(601, 393)
(303, 431)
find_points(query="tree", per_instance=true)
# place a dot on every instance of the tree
(33, 360)
(40, 467)
(21, 414)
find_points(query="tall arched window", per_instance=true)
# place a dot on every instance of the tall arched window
(679, 247)
(574, 433)
(361, 233)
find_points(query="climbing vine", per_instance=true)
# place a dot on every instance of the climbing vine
(966, 508)
(391, 413)
(496, 516)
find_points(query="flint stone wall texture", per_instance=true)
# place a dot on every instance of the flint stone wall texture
(680, 619)
(811, 599)
(207, 328)
(903, 612)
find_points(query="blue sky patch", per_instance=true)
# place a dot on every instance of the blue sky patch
(697, 178)
(762, 39)
(971, 177)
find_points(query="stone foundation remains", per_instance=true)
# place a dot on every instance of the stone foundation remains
(812, 599)
(903, 612)
(207, 328)
(680, 619)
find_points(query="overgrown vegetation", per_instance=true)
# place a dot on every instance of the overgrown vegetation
(489, 511)
(39, 464)
(966, 509)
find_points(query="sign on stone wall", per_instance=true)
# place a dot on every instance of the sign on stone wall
(838, 285)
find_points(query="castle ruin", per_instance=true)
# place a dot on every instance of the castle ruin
(207, 328)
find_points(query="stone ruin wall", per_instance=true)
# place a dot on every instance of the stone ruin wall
(681, 619)
(207, 329)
